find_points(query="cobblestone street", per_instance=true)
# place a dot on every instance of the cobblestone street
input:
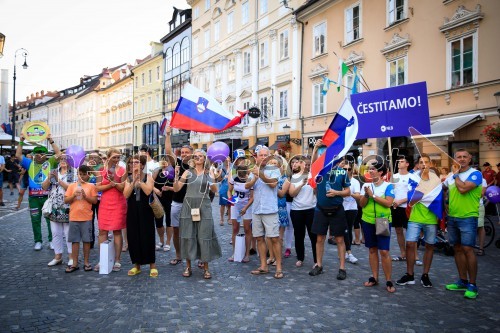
(36, 298)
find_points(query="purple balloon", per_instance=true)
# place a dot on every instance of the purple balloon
(218, 152)
(493, 194)
(170, 173)
(75, 155)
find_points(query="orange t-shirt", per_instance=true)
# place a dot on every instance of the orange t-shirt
(81, 210)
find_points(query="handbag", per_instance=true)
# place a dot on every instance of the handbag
(382, 227)
(47, 207)
(156, 206)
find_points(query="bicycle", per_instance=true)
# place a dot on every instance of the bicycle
(489, 231)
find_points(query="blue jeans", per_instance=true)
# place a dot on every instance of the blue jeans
(413, 232)
(462, 230)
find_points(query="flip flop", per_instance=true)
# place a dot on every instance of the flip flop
(175, 261)
(390, 287)
(96, 268)
(278, 275)
(153, 272)
(398, 258)
(372, 282)
(259, 271)
(187, 272)
(87, 268)
(207, 275)
(71, 269)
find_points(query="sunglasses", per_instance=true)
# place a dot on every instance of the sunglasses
(347, 169)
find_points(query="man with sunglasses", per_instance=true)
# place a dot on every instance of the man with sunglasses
(38, 170)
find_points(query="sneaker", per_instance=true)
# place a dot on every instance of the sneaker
(457, 286)
(288, 253)
(38, 246)
(51, 246)
(471, 291)
(54, 262)
(406, 279)
(346, 256)
(159, 246)
(425, 281)
(419, 263)
(317, 270)
(352, 259)
(166, 248)
(342, 274)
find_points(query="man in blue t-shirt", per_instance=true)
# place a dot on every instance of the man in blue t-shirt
(329, 212)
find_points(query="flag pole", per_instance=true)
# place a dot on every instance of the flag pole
(391, 167)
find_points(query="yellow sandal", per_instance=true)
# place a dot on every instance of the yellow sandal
(153, 273)
(134, 271)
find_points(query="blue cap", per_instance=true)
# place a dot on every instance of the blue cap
(238, 153)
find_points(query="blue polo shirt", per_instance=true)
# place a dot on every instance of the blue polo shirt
(338, 180)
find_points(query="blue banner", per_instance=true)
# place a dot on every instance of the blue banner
(392, 111)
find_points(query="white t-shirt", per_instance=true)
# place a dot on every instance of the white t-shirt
(240, 190)
(401, 186)
(151, 166)
(349, 202)
(305, 199)
(485, 185)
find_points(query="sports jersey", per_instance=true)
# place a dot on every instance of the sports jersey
(240, 191)
(37, 174)
(467, 204)
(401, 187)
(338, 180)
(383, 190)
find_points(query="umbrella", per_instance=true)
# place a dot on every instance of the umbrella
(6, 139)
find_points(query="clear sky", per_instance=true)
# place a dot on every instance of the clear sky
(67, 39)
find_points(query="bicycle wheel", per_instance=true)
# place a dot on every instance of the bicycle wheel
(489, 231)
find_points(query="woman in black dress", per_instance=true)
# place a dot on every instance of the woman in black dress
(140, 218)
(163, 187)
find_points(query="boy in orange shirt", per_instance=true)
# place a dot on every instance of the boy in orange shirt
(80, 196)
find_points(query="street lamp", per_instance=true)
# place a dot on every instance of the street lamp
(294, 140)
(497, 96)
(24, 53)
(2, 43)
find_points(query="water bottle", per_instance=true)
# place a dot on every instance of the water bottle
(79, 191)
(328, 186)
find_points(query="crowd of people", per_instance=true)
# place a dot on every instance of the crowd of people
(276, 200)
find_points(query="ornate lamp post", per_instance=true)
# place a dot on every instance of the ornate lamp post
(23, 53)
(2, 43)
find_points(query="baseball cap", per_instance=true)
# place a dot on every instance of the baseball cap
(238, 153)
(40, 150)
(486, 164)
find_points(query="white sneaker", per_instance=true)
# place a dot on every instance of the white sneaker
(54, 262)
(166, 248)
(419, 263)
(159, 246)
(51, 246)
(70, 262)
(352, 259)
(38, 246)
(346, 255)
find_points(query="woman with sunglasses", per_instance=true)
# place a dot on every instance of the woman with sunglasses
(113, 206)
(197, 232)
(140, 225)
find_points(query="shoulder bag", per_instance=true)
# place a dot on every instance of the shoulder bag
(156, 206)
(382, 227)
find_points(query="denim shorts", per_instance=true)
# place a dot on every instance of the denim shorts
(462, 230)
(414, 229)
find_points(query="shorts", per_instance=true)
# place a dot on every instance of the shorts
(235, 213)
(175, 214)
(480, 219)
(399, 218)
(265, 225)
(337, 222)
(371, 238)
(414, 229)
(462, 230)
(80, 231)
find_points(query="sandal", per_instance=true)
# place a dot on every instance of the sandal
(96, 268)
(125, 248)
(117, 267)
(390, 286)
(372, 282)
(187, 272)
(207, 275)
(271, 261)
(87, 268)
(245, 260)
(153, 272)
(259, 271)
(71, 269)
(481, 252)
(278, 275)
(175, 261)
(398, 258)
(134, 271)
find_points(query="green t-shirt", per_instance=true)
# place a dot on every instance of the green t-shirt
(467, 204)
(383, 190)
(422, 214)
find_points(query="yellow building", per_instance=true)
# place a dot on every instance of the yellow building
(148, 97)
(449, 44)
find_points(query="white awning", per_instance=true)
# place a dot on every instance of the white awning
(448, 126)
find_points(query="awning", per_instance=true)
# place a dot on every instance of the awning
(448, 126)
(260, 141)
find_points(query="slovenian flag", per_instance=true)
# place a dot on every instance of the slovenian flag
(233, 201)
(431, 197)
(338, 138)
(163, 125)
(199, 112)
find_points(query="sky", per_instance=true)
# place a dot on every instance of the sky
(69, 39)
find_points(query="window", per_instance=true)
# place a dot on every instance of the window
(397, 72)
(157, 99)
(150, 76)
(263, 6)
(352, 28)
(319, 37)
(230, 72)
(177, 55)
(142, 105)
(462, 61)
(207, 5)
(157, 73)
(263, 110)
(150, 133)
(284, 44)
(264, 59)
(168, 60)
(395, 11)
(246, 63)
(284, 104)
(216, 31)
(218, 74)
(319, 100)
(150, 104)
(142, 79)
(230, 22)
(244, 13)
(185, 50)
(195, 46)
(207, 38)
(245, 120)
(137, 82)
(196, 12)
